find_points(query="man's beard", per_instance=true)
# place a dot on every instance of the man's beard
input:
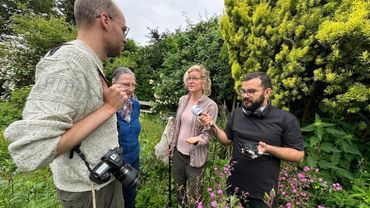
(114, 51)
(254, 105)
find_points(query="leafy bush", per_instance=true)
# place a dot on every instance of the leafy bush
(35, 35)
(316, 52)
(332, 149)
(358, 196)
(11, 109)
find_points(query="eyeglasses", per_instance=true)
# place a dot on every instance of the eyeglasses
(193, 79)
(249, 92)
(125, 29)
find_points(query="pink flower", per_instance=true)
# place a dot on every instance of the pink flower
(212, 195)
(337, 187)
(213, 204)
(200, 205)
(301, 176)
(219, 192)
(306, 168)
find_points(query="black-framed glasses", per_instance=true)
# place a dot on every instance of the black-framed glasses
(249, 92)
(125, 29)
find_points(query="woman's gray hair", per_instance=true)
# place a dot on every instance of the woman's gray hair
(206, 81)
(86, 11)
(120, 71)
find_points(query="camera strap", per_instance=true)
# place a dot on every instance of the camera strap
(81, 154)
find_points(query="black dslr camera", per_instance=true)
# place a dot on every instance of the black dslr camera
(251, 151)
(112, 163)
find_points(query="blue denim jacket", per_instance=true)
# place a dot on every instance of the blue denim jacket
(128, 134)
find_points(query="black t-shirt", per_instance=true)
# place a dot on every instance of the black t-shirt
(277, 128)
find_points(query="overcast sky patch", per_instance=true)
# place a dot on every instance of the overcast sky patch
(166, 15)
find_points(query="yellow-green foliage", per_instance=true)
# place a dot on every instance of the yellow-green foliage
(316, 52)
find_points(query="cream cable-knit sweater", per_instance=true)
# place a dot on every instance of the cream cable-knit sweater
(67, 88)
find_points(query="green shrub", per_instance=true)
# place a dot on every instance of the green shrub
(333, 149)
(316, 52)
(11, 110)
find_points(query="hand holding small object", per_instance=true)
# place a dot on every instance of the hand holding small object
(193, 140)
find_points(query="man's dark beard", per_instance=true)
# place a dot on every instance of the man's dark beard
(255, 105)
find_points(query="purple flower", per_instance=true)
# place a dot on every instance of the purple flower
(306, 168)
(213, 204)
(200, 205)
(212, 195)
(219, 192)
(301, 176)
(337, 187)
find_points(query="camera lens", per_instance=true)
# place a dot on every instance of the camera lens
(128, 176)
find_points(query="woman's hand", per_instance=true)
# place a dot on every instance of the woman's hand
(206, 120)
(193, 140)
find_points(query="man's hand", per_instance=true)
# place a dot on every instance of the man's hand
(283, 153)
(115, 97)
(262, 147)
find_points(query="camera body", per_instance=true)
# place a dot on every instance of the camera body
(112, 163)
(250, 151)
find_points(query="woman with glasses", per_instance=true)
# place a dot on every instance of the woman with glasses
(189, 147)
(128, 127)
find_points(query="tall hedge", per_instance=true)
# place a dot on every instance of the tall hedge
(316, 51)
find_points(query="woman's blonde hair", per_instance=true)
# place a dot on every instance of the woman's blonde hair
(206, 81)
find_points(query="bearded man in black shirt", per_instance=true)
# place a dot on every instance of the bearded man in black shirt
(262, 135)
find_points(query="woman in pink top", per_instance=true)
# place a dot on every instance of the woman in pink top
(189, 146)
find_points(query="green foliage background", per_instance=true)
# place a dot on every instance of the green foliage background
(316, 53)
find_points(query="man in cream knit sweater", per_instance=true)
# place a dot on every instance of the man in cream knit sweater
(71, 103)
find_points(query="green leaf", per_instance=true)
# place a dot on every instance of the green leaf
(335, 132)
(344, 173)
(319, 133)
(325, 124)
(313, 141)
(353, 149)
(312, 162)
(308, 128)
(327, 165)
(327, 147)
